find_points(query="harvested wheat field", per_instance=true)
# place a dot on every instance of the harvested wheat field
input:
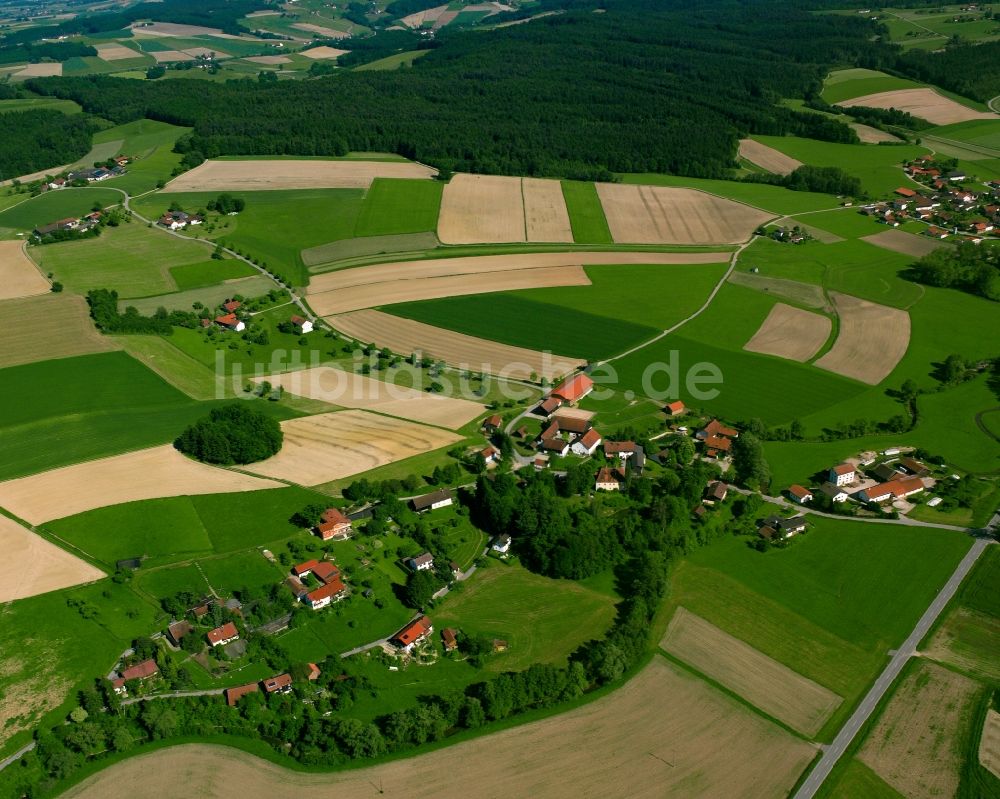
(19, 277)
(924, 103)
(264, 175)
(807, 294)
(323, 52)
(430, 288)
(989, 744)
(350, 390)
(116, 52)
(31, 565)
(871, 341)
(177, 29)
(477, 209)
(329, 33)
(329, 446)
(419, 18)
(661, 215)
(773, 687)
(168, 56)
(790, 333)
(906, 243)
(269, 59)
(664, 733)
(916, 746)
(67, 330)
(457, 349)
(545, 214)
(870, 135)
(40, 71)
(144, 474)
(767, 157)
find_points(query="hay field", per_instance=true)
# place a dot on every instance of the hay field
(31, 565)
(662, 215)
(767, 157)
(165, 56)
(871, 341)
(924, 103)
(969, 640)
(116, 52)
(269, 59)
(780, 692)
(481, 208)
(145, 474)
(358, 297)
(319, 52)
(330, 446)
(329, 33)
(67, 330)
(916, 746)
(870, 135)
(989, 744)
(19, 277)
(40, 71)
(419, 18)
(350, 390)
(790, 333)
(906, 243)
(808, 294)
(545, 214)
(665, 733)
(179, 29)
(457, 349)
(265, 175)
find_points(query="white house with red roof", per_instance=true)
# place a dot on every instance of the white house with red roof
(800, 494)
(842, 474)
(334, 526)
(223, 635)
(588, 443)
(301, 325)
(231, 322)
(413, 633)
(891, 491)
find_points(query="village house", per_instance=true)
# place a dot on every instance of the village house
(586, 444)
(675, 408)
(70, 223)
(331, 591)
(223, 635)
(490, 455)
(573, 389)
(786, 528)
(449, 639)
(421, 563)
(231, 322)
(501, 544)
(609, 479)
(301, 325)
(233, 695)
(623, 450)
(174, 220)
(281, 684)
(555, 446)
(834, 492)
(493, 423)
(717, 491)
(892, 490)
(456, 570)
(177, 631)
(842, 474)
(800, 494)
(333, 526)
(412, 634)
(141, 671)
(717, 438)
(441, 498)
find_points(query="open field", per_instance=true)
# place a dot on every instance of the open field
(807, 294)
(270, 60)
(350, 390)
(145, 474)
(19, 277)
(329, 446)
(924, 103)
(545, 214)
(776, 199)
(871, 340)
(916, 744)
(457, 349)
(327, 254)
(482, 208)
(843, 84)
(209, 296)
(166, 56)
(329, 33)
(870, 135)
(268, 175)
(68, 330)
(586, 215)
(178, 29)
(395, 206)
(715, 747)
(116, 52)
(42, 70)
(323, 52)
(31, 565)
(989, 744)
(791, 333)
(969, 640)
(905, 243)
(764, 682)
(208, 273)
(767, 157)
(55, 205)
(659, 215)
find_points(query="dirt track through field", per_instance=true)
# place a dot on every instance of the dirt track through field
(767, 157)
(924, 103)
(330, 446)
(906, 243)
(349, 390)
(663, 734)
(545, 214)
(457, 349)
(19, 277)
(872, 339)
(916, 746)
(67, 330)
(780, 692)
(264, 175)
(989, 744)
(144, 474)
(31, 565)
(662, 215)
(791, 333)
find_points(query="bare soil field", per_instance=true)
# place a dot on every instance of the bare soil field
(924, 103)
(67, 330)
(418, 19)
(19, 277)
(265, 174)
(116, 52)
(870, 135)
(665, 733)
(916, 744)
(323, 52)
(969, 640)
(40, 71)
(545, 214)
(806, 294)
(144, 474)
(773, 687)
(269, 59)
(350, 390)
(329, 33)
(790, 333)
(330, 446)
(477, 209)
(457, 349)
(767, 157)
(662, 215)
(430, 288)
(31, 565)
(906, 243)
(989, 744)
(165, 56)
(871, 341)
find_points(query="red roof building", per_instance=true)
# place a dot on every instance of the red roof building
(327, 593)
(493, 423)
(230, 321)
(302, 569)
(333, 524)
(573, 389)
(231, 305)
(223, 635)
(141, 671)
(449, 639)
(550, 405)
(675, 408)
(233, 695)
(314, 672)
(281, 684)
(413, 633)
(799, 493)
(904, 192)
(324, 571)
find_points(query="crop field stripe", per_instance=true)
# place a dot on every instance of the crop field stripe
(586, 215)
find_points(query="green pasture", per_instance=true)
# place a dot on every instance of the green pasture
(240, 570)
(54, 205)
(394, 206)
(39, 103)
(857, 781)
(208, 295)
(179, 370)
(324, 257)
(848, 223)
(209, 272)
(151, 144)
(846, 84)
(982, 132)
(392, 62)
(586, 214)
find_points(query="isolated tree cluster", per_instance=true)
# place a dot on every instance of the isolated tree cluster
(236, 433)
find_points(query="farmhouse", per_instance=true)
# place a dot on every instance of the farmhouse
(556, 446)
(233, 695)
(501, 544)
(717, 438)
(893, 490)
(413, 633)
(490, 454)
(141, 671)
(71, 223)
(303, 569)
(332, 591)
(223, 635)
(717, 491)
(609, 479)
(549, 405)
(436, 499)
(587, 443)
(623, 450)
(333, 526)
(834, 492)
(177, 631)
(231, 322)
(675, 408)
(573, 389)
(174, 220)
(449, 639)
(298, 590)
(786, 528)
(572, 422)
(493, 423)
(301, 325)
(800, 494)
(324, 571)
(842, 474)
(421, 562)
(282, 684)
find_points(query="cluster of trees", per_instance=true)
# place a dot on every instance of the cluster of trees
(104, 311)
(227, 204)
(54, 51)
(234, 433)
(965, 267)
(826, 179)
(39, 139)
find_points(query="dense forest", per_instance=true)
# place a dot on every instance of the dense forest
(576, 94)
(54, 51)
(36, 140)
(972, 70)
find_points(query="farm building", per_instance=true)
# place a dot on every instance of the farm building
(623, 450)
(800, 494)
(231, 306)
(893, 490)
(449, 639)
(301, 325)
(413, 633)
(223, 635)
(493, 423)
(436, 499)
(421, 562)
(675, 408)
(914, 467)
(717, 438)
(609, 479)
(786, 528)
(63, 224)
(886, 471)
(555, 446)
(571, 424)
(842, 474)
(334, 526)
(141, 671)
(834, 492)
(177, 631)
(490, 454)
(333, 591)
(717, 491)
(501, 544)
(304, 569)
(573, 389)
(281, 684)
(587, 443)
(231, 322)
(549, 406)
(233, 695)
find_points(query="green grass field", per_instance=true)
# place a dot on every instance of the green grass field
(393, 206)
(857, 781)
(586, 215)
(846, 84)
(210, 296)
(982, 132)
(151, 144)
(208, 273)
(324, 257)
(39, 103)
(52, 206)
(392, 62)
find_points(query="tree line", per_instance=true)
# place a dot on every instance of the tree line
(967, 267)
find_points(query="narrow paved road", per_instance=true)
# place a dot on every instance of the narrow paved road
(836, 750)
(174, 695)
(17, 755)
